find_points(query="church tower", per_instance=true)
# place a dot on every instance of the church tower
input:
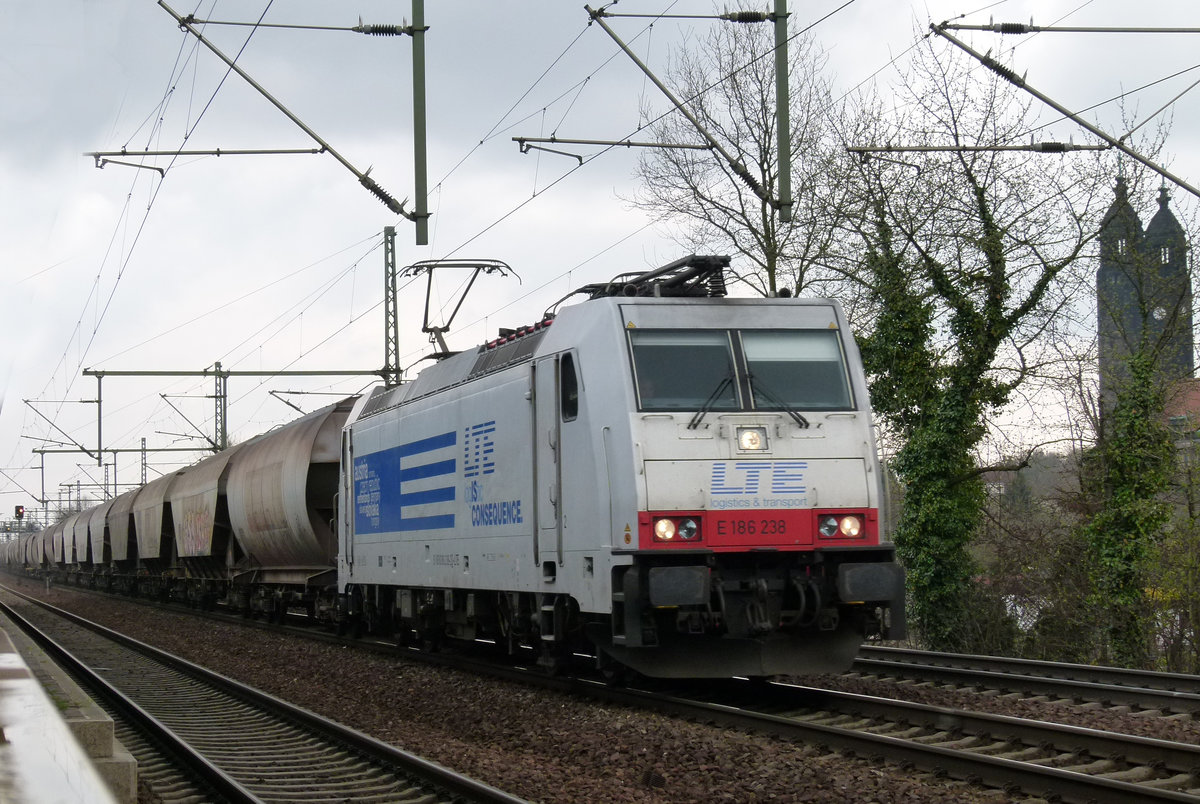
(1165, 245)
(1143, 294)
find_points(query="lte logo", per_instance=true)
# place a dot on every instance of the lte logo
(756, 477)
(479, 449)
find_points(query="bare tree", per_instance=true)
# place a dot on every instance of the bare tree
(728, 81)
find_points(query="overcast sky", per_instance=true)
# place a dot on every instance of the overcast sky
(274, 262)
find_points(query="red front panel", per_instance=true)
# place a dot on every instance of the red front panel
(779, 528)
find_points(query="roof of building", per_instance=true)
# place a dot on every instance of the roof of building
(1164, 226)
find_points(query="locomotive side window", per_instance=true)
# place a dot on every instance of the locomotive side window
(800, 369)
(568, 388)
(683, 369)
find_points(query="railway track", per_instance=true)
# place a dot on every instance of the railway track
(1168, 693)
(1151, 766)
(237, 743)
(1021, 757)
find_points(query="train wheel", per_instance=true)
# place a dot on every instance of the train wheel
(615, 675)
(429, 634)
(552, 662)
(430, 627)
(429, 641)
(613, 672)
(507, 641)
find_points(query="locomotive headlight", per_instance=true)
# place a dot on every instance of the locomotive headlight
(752, 439)
(828, 527)
(849, 526)
(664, 530)
(688, 530)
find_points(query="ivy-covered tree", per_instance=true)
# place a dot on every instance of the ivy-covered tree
(1137, 459)
(965, 252)
(1177, 572)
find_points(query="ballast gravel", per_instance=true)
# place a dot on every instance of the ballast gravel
(550, 747)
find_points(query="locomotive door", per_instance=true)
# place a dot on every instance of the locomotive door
(556, 402)
(547, 470)
(345, 500)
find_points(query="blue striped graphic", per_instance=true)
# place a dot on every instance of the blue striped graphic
(410, 487)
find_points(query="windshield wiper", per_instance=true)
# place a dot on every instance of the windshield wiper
(755, 385)
(709, 403)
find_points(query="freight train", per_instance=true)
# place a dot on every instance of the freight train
(659, 476)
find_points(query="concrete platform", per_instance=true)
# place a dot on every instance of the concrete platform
(56, 745)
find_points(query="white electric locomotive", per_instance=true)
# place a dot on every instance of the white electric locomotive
(687, 483)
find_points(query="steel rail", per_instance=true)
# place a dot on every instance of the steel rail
(224, 784)
(1006, 774)
(1104, 691)
(1102, 674)
(1175, 757)
(457, 786)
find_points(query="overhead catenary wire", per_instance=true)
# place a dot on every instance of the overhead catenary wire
(243, 297)
(1017, 28)
(1120, 96)
(992, 64)
(282, 319)
(495, 130)
(542, 190)
(928, 33)
(585, 160)
(129, 254)
(364, 177)
(1160, 110)
(492, 131)
(83, 350)
(1013, 78)
(191, 129)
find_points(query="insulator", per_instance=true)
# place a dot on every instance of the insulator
(1003, 71)
(750, 181)
(1052, 147)
(747, 16)
(382, 195)
(381, 30)
(1010, 28)
(716, 285)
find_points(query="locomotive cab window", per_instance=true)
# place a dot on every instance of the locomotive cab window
(799, 369)
(683, 369)
(775, 369)
(568, 388)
